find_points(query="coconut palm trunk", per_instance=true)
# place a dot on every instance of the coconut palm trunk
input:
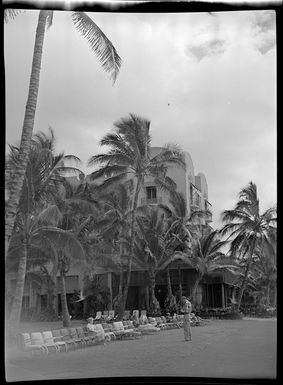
(19, 172)
(153, 300)
(65, 310)
(15, 314)
(196, 284)
(131, 248)
(247, 269)
(168, 280)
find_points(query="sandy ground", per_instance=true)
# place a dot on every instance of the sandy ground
(221, 349)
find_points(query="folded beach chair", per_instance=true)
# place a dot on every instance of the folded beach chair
(37, 339)
(25, 345)
(49, 339)
(67, 338)
(121, 332)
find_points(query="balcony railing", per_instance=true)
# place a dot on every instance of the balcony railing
(151, 201)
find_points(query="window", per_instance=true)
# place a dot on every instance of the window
(151, 192)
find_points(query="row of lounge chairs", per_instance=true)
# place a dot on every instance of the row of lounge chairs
(77, 337)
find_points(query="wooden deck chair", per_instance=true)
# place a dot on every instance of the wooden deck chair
(37, 339)
(67, 338)
(25, 345)
(49, 339)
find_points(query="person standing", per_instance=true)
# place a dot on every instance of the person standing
(186, 310)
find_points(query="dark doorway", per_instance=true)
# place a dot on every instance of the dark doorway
(133, 298)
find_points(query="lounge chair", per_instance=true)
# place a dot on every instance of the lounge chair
(98, 316)
(108, 328)
(25, 344)
(111, 315)
(37, 339)
(105, 315)
(160, 324)
(143, 312)
(67, 338)
(145, 327)
(126, 315)
(74, 336)
(81, 334)
(101, 335)
(92, 336)
(136, 314)
(121, 333)
(50, 339)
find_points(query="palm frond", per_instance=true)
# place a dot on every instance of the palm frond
(10, 13)
(99, 43)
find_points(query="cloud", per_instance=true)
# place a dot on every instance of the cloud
(208, 48)
(264, 31)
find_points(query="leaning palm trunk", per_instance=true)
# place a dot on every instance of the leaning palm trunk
(15, 314)
(131, 248)
(65, 311)
(20, 169)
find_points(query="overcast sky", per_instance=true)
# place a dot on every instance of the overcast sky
(206, 82)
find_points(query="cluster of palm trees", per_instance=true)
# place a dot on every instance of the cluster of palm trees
(60, 223)
(53, 224)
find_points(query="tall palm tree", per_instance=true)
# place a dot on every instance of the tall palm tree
(207, 257)
(151, 253)
(248, 228)
(182, 229)
(129, 157)
(32, 234)
(110, 62)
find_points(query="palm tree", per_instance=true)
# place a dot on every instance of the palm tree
(207, 257)
(248, 228)
(129, 157)
(110, 62)
(151, 253)
(182, 230)
(32, 234)
(115, 227)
